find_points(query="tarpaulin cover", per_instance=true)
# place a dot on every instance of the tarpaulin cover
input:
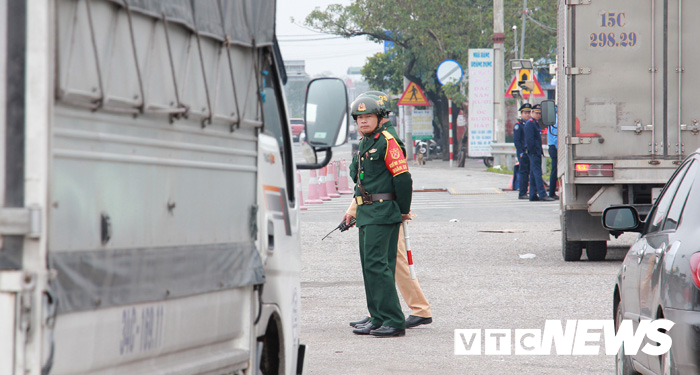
(102, 278)
(245, 22)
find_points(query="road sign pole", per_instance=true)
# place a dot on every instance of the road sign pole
(449, 106)
(408, 130)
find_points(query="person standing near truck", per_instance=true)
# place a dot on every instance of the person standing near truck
(520, 146)
(383, 193)
(409, 288)
(533, 143)
(552, 140)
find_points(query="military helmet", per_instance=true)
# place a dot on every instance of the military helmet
(366, 105)
(383, 100)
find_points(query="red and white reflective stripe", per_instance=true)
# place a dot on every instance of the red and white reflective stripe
(449, 105)
(411, 268)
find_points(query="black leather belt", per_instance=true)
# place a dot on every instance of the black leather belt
(375, 198)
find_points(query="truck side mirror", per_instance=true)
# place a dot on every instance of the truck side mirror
(549, 112)
(325, 120)
(326, 112)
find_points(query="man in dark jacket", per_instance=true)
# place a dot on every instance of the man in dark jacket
(533, 142)
(519, 141)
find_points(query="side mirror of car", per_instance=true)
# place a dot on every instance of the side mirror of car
(549, 112)
(325, 117)
(621, 219)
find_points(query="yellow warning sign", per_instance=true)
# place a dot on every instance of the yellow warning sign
(525, 75)
(413, 95)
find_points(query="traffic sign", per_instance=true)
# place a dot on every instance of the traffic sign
(525, 75)
(413, 95)
(449, 72)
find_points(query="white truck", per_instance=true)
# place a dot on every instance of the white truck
(150, 220)
(627, 110)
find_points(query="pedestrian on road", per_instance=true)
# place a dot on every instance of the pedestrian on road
(383, 191)
(520, 146)
(552, 140)
(533, 142)
(410, 289)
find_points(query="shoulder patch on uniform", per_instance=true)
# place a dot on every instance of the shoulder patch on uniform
(394, 159)
(387, 135)
(515, 127)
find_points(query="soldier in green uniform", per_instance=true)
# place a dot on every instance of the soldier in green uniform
(383, 194)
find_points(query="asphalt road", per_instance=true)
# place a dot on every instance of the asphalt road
(467, 244)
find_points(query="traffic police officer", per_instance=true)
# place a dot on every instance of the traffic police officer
(383, 194)
(533, 143)
(552, 141)
(519, 141)
(409, 288)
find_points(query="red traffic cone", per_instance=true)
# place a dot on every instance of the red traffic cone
(330, 181)
(301, 196)
(313, 189)
(343, 187)
(322, 192)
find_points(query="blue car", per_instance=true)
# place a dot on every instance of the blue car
(660, 275)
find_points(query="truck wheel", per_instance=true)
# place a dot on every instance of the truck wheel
(596, 250)
(571, 250)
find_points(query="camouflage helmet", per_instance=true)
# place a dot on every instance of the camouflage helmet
(383, 100)
(365, 105)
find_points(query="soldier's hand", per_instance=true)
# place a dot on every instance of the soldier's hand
(406, 217)
(347, 219)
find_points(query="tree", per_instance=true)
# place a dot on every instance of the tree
(424, 34)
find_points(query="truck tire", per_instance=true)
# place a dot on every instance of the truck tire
(571, 250)
(596, 250)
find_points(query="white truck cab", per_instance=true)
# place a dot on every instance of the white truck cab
(149, 221)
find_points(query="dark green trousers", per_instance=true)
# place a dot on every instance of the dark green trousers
(378, 256)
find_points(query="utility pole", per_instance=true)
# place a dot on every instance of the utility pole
(522, 31)
(408, 123)
(499, 108)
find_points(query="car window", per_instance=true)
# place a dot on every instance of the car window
(664, 202)
(676, 210)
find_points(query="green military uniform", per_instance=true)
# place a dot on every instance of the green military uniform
(379, 221)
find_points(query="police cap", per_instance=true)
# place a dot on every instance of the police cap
(537, 108)
(525, 107)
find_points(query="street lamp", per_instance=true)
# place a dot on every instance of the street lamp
(518, 64)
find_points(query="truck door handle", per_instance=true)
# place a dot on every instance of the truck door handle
(270, 235)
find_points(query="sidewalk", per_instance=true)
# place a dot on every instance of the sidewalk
(472, 179)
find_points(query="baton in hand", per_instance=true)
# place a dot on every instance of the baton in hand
(411, 268)
(342, 226)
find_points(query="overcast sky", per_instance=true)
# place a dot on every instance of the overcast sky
(322, 52)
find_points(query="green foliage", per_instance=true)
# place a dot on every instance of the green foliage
(499, 169)
(426, 32)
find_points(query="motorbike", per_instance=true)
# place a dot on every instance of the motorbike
(428, 149)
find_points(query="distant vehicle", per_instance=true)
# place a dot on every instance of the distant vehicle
(352, 130)
(660, 276)
(297, 125)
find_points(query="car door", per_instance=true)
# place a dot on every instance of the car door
(658, 240)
